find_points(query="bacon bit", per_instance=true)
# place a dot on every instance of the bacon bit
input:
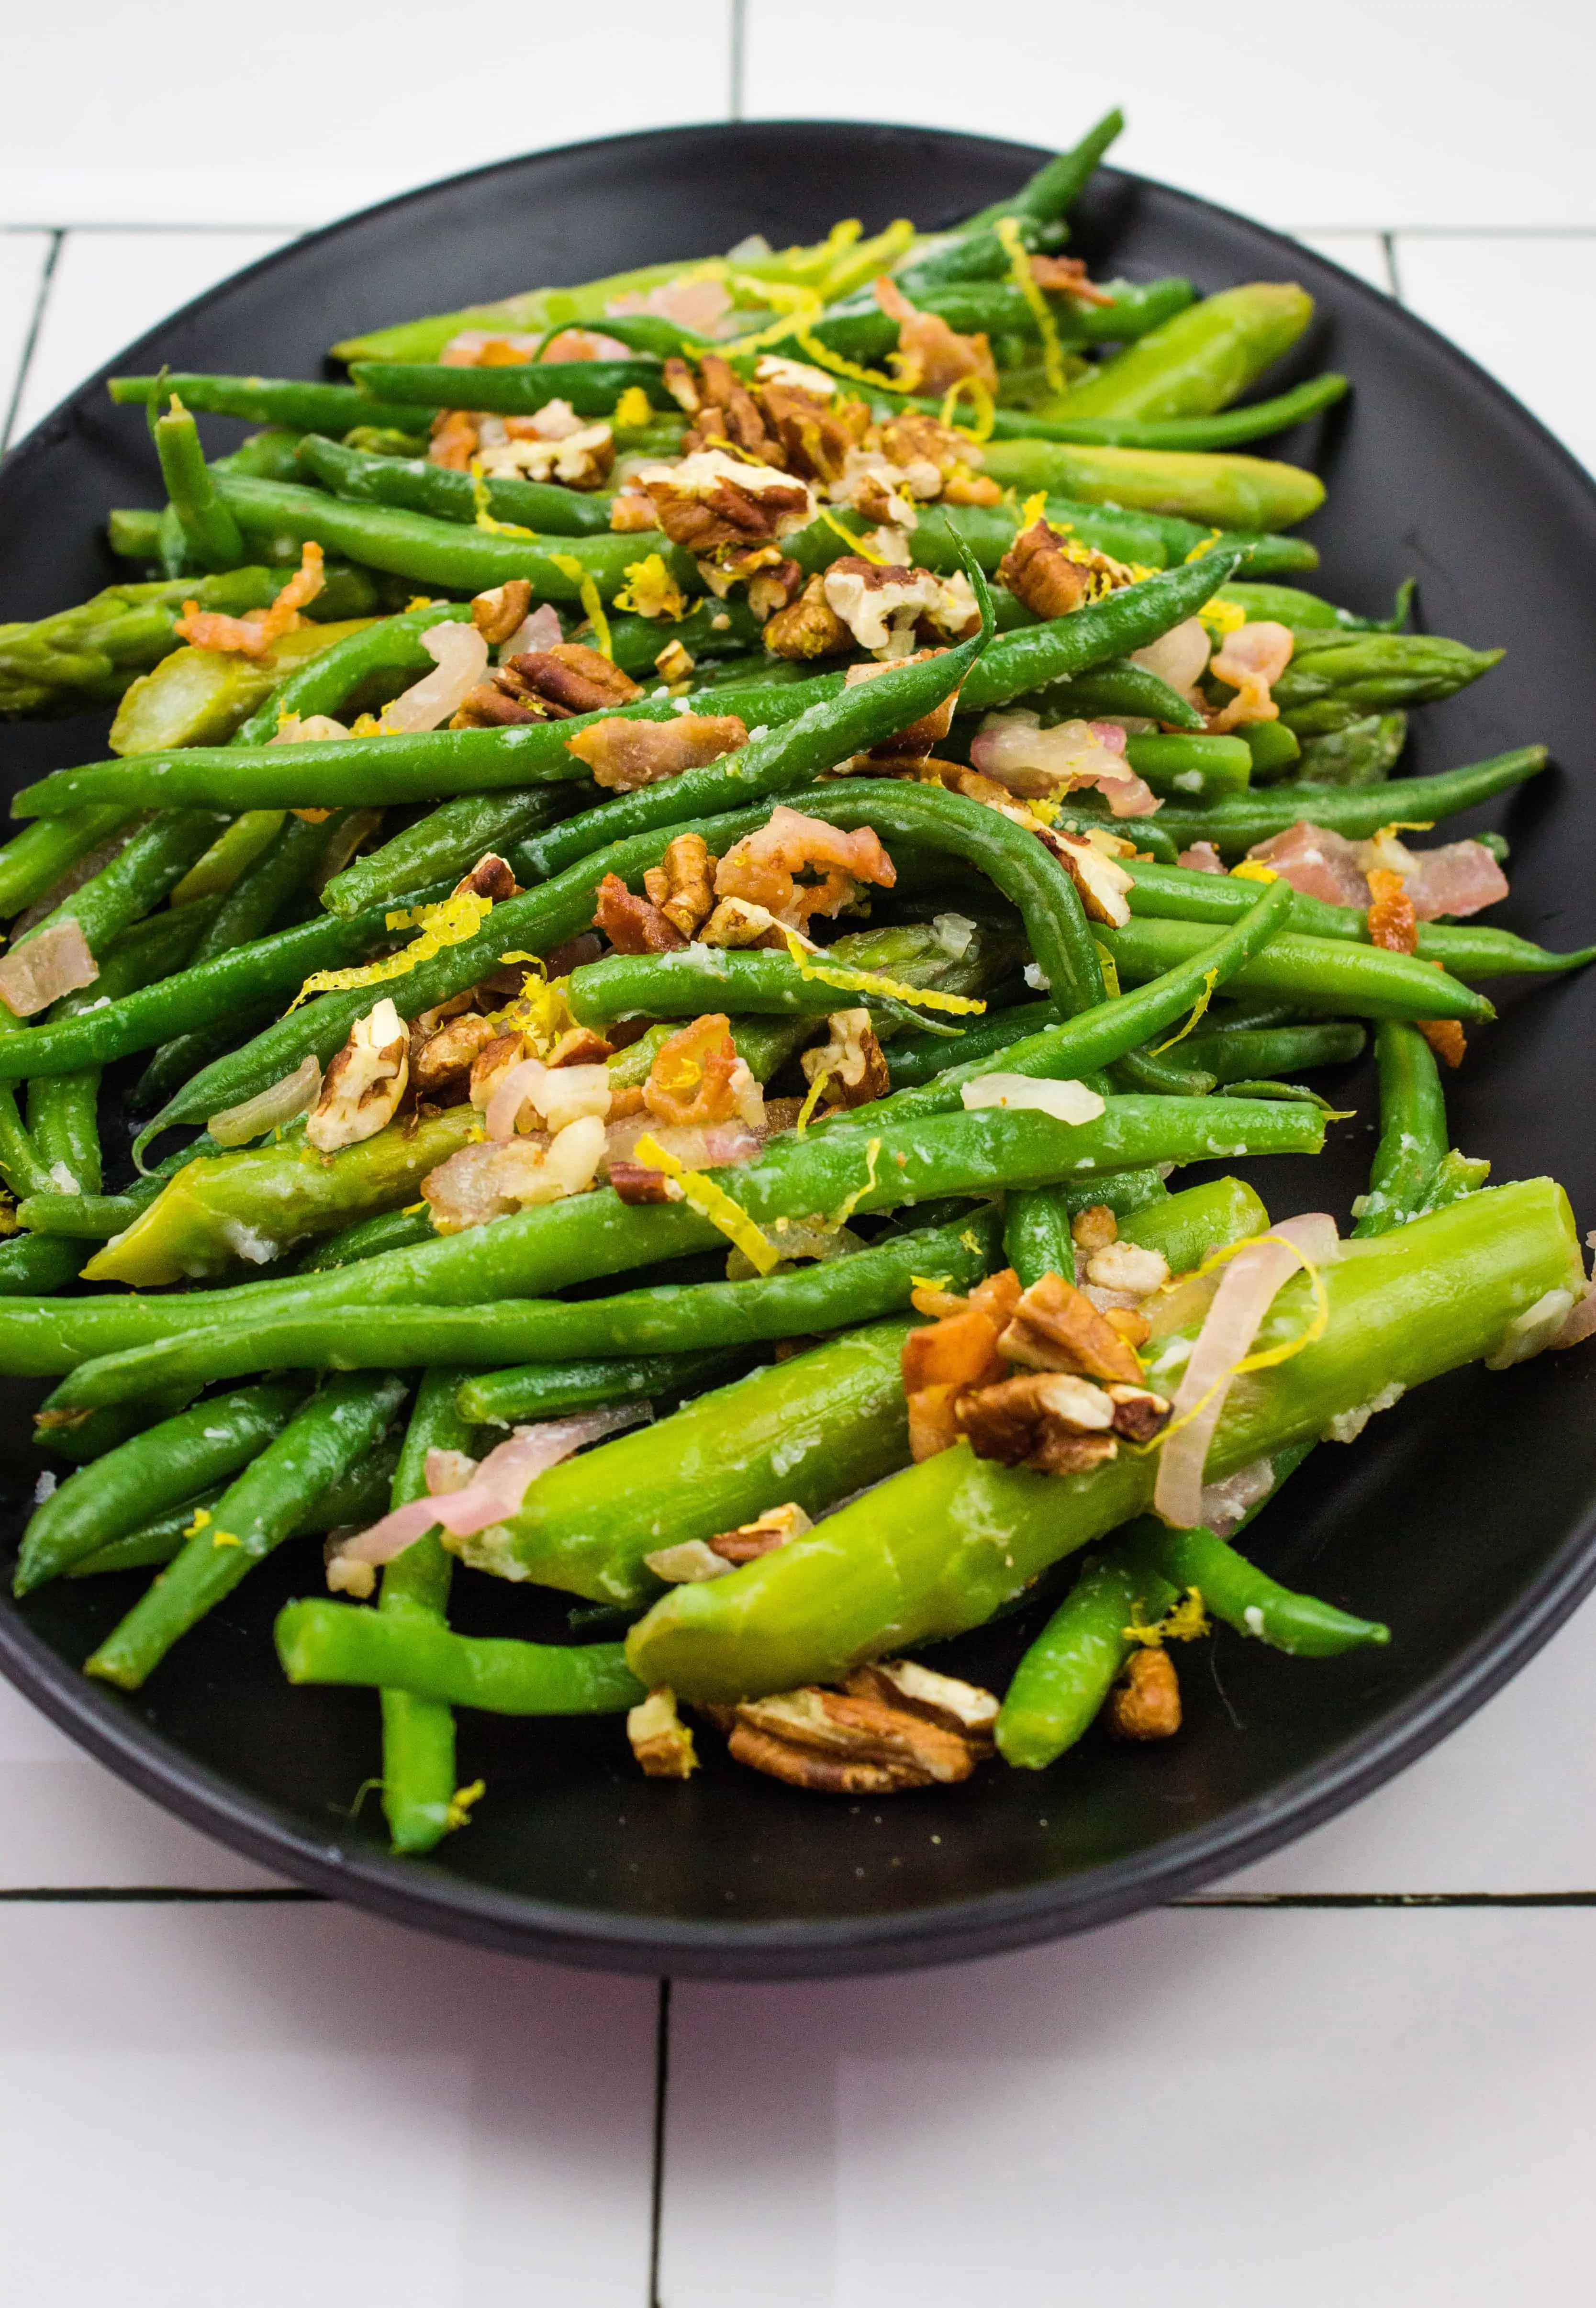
(1318, 862)
(623, 755)
(1202, 857)
(632, 924)
(583, 345)
(631, 511)
(487, 349)
(762, 866)
(253, 635)
(771, 1529)
(931, 356)
(637, 1183)
(1445, 1038)
(1252, 657)
(1036, 763)
(682, 884)
(454, 440)
(1065, 276)
(699, 303)
(697, 1079)
(1460, 877)
(1391, 920)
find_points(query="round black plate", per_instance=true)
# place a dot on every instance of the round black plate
(1465, 1519)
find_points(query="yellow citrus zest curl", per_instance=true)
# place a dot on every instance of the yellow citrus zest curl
(633, 411)
(484, 519)
(1222, 618)
(1024, 280)
(458, 1813)
(806, 1113)
(1198, 1007)
(849, 1203)
(868, 981)
(711, 1201)
(981, 401)
(1182, 1623)
(450, 922)
(1252, 869)
(587, 593)
(650, 590)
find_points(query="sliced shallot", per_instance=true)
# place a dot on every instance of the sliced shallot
(1248, 1289)
(282, 1101)
(460, 656)
(55, 962)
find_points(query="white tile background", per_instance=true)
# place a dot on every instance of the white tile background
(1285, 2092)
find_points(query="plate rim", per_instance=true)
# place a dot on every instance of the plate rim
(961, 1929)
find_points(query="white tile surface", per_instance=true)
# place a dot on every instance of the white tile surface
(1355, 114)
(22, 259)
(1197, 2110)
(109, 287)
(1477, 287)
(194, 114)
(297, 2104)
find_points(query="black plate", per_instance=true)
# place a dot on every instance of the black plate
(1465, 1519)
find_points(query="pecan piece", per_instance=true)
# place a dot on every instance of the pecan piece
(682, 885)
(660, 1739)
(444, 1061)
(489, 877)
(1047, 1420)
(624, 755)
(673, 663)
(1139, 1413)
(501, 611)
(851, 1060)
(962, 1707)
(1055, 1327)
(773, 588)
(1094, 1228)
(1126, 1266)
(632, 924)
(836, 1743)
(571, 677)
(807, 627)
(1147, 1704)
(365, 1082)
(1038, 571)
(770, 1530)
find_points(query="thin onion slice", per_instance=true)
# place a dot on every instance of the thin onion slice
(1065, 1101)
(1248, 1289)
(1581, 1315)
(284, 1101)
(56, 961)
(460, 656)
(496, 1489)
(541, 630)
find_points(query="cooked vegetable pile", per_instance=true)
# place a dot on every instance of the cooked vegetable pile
(695, 850)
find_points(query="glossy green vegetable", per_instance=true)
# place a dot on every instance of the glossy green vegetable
(1238, 1053)
(161, 1468)
(213, 537)
(1227, 430)
(419, 486)
(591, 388)
(358, 1497)
(418, 1777)
(1246, 1598)
(202, 696)
(1440, 1294)
(1200, 361)
(1413, 1132)
(1335, 679)
(88, 655)
(1228, 491)
(536, 1391)
(272, 400)
(1333, 974)
(329, 1434)
(1358, 812)
(319, 1641)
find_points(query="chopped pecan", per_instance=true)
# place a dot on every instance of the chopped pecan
(879, 602)
(577, 456)
(453, 439)
(726, 412)
(770, 1530)
(1126, 1266)
(489, 877)
(1047, 1420)
(838, 1743)
(710, 500)
(815, 436)
(773, 588)
(851, 1060)
(1094, 1228)
(682, 885)
(636, 1183)
(673, 663)
(736, 922)
(1139, 1413)
(1055, 1327)
(682, 384)
(624, 754)
(807, 627)
(1038, 571)
(446, 1058)
(997, 1297)
(493, 1062)
(1102, 882)
(578, 1045)
(1133, 1328)
(962, 1707)
(500, 612)
(365, 1082)
(660, 1739)
(632, 924)
(568, 678)
(1147, 1704)
(489, 707)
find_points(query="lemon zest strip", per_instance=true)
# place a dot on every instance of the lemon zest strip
(587, 592)
(869, 981)
(711, 1201)
(806, 1113)
(484, 519)
(450, 922)
(1200, 1004)
(1019, 257)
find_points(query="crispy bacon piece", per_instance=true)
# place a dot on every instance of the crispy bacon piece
(931, 356)
(1202, 857)
(632, 924)
(625, 754)
(253, 635)
(1065, 276)
(1460, 877)
(692, 1082)
(455, 441)
(637, 1183)
(1394, 924)
(763, 867)
(1252, 657)
(1319, 863)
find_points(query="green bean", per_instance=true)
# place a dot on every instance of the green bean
(1401, 1311)
(272, 400)
(419, 1776)
(591, 387)
(552, 1245)
(549, 1390)
(247, 975)
(1066, 1674)
(160, 1467)
(1235, 1054)
(1107, 1030)
(448, 843)
(1227, 430)
(839, 1293)
(63, 1124)
(1144, 1069)
(1413, 1131)
(346, 1419)
(144, 872)
(1363, 753)
(32, 1265)
(270, 456)
(1056, 187)
(213, 538)
(1229, 491)
(1468, 949)
(1336, 678)
(36, 859)
(1163, 541)
(1121, 687)
(321, 1642)
(83, 1436)
(87, 654)
(1348, 979)
(1036, 1228)
(358, 1497)
(1288, 604)
(1246, 1598)
(418, 486)
(915, 1060)
(1201, 361)
(1205, 769)
(367, 1239)
(1457, 1175)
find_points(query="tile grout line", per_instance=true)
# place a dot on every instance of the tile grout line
(740, 48)
(661, 2098)
(1393, 270)
(148, 225)
(30, 342)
